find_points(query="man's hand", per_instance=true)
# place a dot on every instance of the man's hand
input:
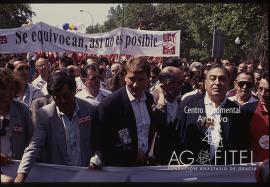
(95, 162)
(20, 178)
(4, 159)
(93, 166)
(6, 178)
(141, 157)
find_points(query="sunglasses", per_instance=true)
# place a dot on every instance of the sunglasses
(41, 66)
(242, 83)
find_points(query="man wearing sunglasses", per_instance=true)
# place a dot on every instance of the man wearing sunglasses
(244, 84)
(257, 116)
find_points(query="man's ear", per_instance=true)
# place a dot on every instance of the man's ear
(161, 85)
(235, 83)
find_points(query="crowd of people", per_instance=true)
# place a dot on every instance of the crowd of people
(85, 110)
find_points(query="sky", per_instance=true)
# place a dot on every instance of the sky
(58, 14)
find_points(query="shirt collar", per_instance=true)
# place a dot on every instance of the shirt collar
(132, 98)
(207, 101)
(74, 113)
(40, 79)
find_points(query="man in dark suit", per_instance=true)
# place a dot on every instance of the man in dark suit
(210, 124)
(125, 119)
(63, 128)
(168, 94)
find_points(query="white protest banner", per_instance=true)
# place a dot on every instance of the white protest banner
(41, 37)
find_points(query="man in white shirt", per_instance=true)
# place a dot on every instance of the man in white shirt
(64, 129)
(26, 92)
(125, 119)
(244, 84)
(92, 92)
(43, 67)
(210, 124)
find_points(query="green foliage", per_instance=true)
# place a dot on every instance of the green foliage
(248, 21)
(14, 15)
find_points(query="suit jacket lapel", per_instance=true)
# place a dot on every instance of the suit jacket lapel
(60, 134)
(225, 127)
(201, 105)
(149, 103)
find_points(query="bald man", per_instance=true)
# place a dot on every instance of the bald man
(114, 69)
(43, 67)
(76, 71)
(168, 98)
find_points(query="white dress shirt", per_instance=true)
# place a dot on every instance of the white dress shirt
(91, 99)
(72, 136)
(214, 132)
(39, 82)
(142, 120)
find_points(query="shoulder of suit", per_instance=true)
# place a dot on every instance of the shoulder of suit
(115, 96)
(231, 104)
(83, 103)
(105, 92)
(250, 107)
(32, 87)
(193, 98)
(20, 105)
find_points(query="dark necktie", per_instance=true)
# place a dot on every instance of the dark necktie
(5, 123)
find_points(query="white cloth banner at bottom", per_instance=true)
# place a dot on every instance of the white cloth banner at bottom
(196, 173)
(42, 37)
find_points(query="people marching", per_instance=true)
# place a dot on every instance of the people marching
(96, 111)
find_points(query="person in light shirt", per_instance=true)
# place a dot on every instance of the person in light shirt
(43, 67)
(125, 119)
(210, 123)
(26, 92)
(64, 130)
(243, 84)
(15, 122)
(92, 92)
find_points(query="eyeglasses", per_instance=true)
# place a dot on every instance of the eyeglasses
(41, 66)
(242, 83)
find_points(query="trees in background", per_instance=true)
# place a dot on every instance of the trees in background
(14, 15)
(248, 21)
